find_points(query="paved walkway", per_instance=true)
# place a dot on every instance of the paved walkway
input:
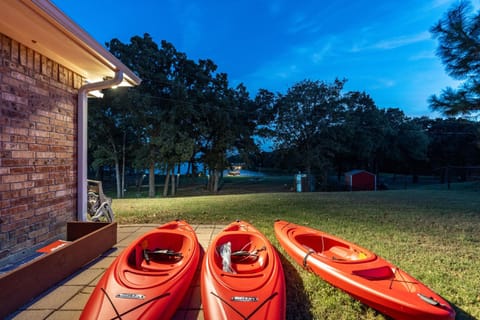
(67, 299)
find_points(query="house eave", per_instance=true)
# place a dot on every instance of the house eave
(40, 25)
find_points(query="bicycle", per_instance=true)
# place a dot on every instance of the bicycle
(98, 205)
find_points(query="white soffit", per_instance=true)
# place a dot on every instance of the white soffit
(41, 26)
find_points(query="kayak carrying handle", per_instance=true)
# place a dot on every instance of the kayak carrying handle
(310, 251)
(430, 300)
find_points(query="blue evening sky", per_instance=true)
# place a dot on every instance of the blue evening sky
(381, 47)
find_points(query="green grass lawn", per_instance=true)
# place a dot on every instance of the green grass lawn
(432, 234)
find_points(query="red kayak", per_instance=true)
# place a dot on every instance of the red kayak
(362, 274)
(150, 278)
(242, 276)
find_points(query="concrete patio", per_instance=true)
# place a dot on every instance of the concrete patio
(67, 299)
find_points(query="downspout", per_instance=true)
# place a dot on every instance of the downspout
(82, 139)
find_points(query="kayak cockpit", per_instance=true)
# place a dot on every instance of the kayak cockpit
(332, 248)
(241, 253)
(157, 256)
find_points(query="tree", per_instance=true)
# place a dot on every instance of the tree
(111, 134)
(305, 120)
(143, 57)
(162, 108)
(453, 142)
(183, 109)
(361, 135)
(458, 33)
(407, 143)
(264, 109)
(218, 128)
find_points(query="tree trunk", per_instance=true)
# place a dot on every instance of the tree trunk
(210, 180)
(117, 177)
(117, 170)
(165, 186)
(151, 180)
(140, 181)
(308, 170)
(122, 191)
(216, 178)
(173, 183)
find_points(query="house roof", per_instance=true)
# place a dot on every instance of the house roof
(40, 25)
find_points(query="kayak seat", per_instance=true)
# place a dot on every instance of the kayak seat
(160, 251)
(160, 259)
(342, 253)
(250, 265)
(153, 260)
(157, 266)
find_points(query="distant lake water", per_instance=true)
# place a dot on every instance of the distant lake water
(184, 168)
(246, 173)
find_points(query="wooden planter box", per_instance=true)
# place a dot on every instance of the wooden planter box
(88, 241)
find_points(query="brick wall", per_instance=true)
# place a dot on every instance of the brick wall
(38, 106)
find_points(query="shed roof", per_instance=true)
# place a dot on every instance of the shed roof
(40, 25)
(357, 171)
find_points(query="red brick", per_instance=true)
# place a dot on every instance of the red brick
(38, 90)
(14, 212)
(39, 133)
(22, 185)
(21, 201)
(38, 176)
(5, 204)
(43, 169)
(19, 170)
(43, 140)
(61, 149)
(39, 190)
(22, 122)
(22, 154)
(16, 131)
(14, 178)
(39, 119)
(62, 193)
(44, 182)
(4, 187)
(4, 137)
(44, 155)
(43, 196)
(44, 127)
(57, 187)
(8, 96)
(14, 146)
(14, 162)
(22, 139)
(38, 147)
(38, 232)
(13, 194)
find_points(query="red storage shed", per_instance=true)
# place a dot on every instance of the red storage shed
(356, 180)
